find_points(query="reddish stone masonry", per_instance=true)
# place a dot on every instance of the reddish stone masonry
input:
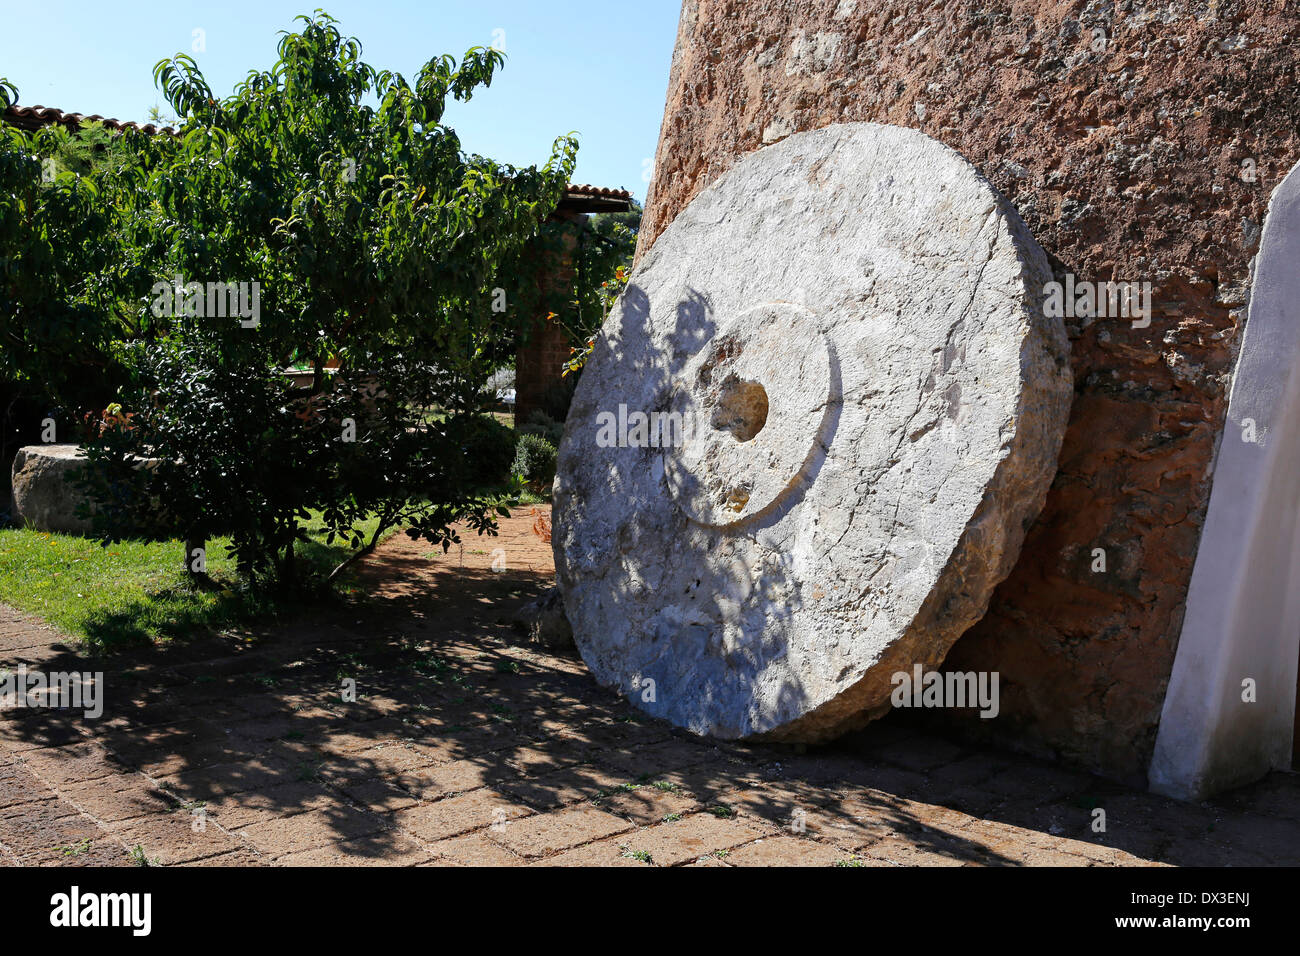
(1140, 143)
(540, 358)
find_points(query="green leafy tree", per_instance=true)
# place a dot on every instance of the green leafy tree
(324, 214)
(67, 268)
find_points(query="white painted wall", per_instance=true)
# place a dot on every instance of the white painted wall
(1243, 605)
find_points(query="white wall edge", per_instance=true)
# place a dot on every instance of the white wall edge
(1243, 604)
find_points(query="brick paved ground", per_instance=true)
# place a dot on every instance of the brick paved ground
(467, 747)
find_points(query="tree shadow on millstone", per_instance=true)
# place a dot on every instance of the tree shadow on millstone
(718, 636)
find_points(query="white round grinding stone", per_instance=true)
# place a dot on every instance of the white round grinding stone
(810, 438)
(754, 408)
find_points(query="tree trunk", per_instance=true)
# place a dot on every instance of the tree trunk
(197, 578)
(288, 570)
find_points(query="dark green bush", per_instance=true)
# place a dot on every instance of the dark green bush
(534, 462)
(358, 234)
(542, 424)
(489, 448)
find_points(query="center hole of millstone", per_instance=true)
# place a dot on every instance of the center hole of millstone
(741, 408)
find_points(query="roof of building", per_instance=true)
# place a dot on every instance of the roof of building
(595, 199)
(577, 198)
(34, 117)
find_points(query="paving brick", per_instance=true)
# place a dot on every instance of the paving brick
(73, 763)
(998, 843)
(716, 860)
(551, 832)
(774, 805)
(238, 810)
(460, 776)
(171, 838)
(28, 729)
(279, 836)
(452, 816)
(657, 759)
(120, 797)
(425, 771)
(61, 840)
(24, 827)
(381, 849)
(209, 783)
(96, 853)
(919, 753)
(378, 795)
(647, 805)
(1105, 855)
(387, 759)
(785, 851)
(902, 851)
(348, 737)
(1034, 782)
(691, 837)
(241, 856)
(838, 827)
(970, 770)
(536, 760)
(572, 785)
(474, 849)
(611, 852)
(886, 778)
(22, 787)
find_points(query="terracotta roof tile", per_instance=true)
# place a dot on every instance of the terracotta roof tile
(31, 117)
(602, 191)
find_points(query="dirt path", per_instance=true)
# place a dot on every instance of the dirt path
(465, 746)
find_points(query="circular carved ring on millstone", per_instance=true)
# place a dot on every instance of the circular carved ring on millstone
(858, 469)
(753, 415)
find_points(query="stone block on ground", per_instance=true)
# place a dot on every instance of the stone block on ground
(43, 496)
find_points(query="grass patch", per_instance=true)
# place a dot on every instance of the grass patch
(135, 592)
(515, 496)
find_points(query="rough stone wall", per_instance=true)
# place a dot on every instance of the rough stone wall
(539, 367)
(1130, 159)
(540, 358)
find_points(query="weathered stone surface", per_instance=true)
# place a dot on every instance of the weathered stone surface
(849, 326)
(1148, 156)
(543, 620)
(42, 498)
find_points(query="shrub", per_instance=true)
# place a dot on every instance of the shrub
(543, 425)
(534, 462)
(323, 212)
(489, 448)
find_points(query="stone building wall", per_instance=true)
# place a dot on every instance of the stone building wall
(539, 360)
(1140, 141)
(539, 368)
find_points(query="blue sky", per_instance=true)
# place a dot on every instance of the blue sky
(597, 67)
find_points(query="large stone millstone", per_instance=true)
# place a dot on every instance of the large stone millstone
(43, 498)
(849, 325)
